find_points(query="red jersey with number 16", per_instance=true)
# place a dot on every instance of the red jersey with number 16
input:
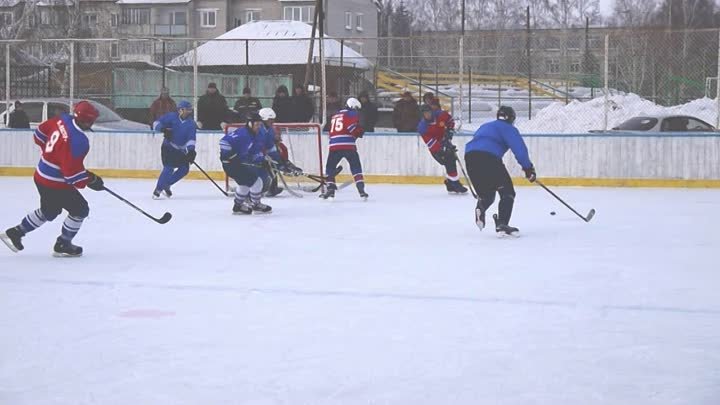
(64, 147)
(344, 129)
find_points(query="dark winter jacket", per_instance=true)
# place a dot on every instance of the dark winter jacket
(18, 119)
(406, 115)
(330, 110)
(282, 105)
(303, 107)
(212, 110)
(368, 116)
(246, 104)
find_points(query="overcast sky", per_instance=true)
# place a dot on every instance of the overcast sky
(606, 6)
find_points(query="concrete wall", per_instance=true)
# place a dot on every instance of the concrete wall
(675, 159)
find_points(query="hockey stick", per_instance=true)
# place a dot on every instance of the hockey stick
(462, 168)
(586, 218)
(162, 220)
(225, 193)
(289, 190)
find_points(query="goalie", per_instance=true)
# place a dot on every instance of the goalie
(276, 150)
(437, 128)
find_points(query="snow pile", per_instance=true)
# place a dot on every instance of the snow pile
(579, 117)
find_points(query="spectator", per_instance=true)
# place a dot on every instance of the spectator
(302, 105)
(247, 103)
(435, 106)
(282, 105)
(406, 114)
(428, 98)
(18, 118)
(161, 106)
(368, 112)
(212, 108)
(332, 105)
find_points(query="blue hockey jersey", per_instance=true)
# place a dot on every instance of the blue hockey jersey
(496, 137)
(183, 131)
(242, 144)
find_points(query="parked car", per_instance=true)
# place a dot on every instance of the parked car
(39, 110)
(666, 123)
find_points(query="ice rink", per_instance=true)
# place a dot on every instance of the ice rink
(398, 300)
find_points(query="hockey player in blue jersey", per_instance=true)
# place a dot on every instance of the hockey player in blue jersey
(178, 147)
(483, 157)
(242, 153)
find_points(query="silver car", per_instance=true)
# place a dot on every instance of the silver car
(39, 110)
(666, 123)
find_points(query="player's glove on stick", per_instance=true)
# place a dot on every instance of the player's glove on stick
(530, 174)
(167, 133)
(191, 155)
(95, 182)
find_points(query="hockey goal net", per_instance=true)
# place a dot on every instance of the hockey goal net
(303, 141)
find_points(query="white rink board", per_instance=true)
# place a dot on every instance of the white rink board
(583, 156)
(399, 300)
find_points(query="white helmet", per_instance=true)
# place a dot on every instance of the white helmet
(353, 103)
(267, 113)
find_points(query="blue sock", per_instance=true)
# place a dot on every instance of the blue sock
(71, 227)
(181, 172)
(33, 221)
(164, 179)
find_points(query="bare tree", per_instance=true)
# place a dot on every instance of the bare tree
(572, 13)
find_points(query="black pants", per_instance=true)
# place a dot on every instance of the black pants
(447, 159)
(353, 158)
(489, 176)
(53, 201)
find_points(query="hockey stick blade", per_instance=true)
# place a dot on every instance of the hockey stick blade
(590, 215)
(162, 220)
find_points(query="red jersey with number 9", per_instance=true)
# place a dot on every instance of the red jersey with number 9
(64, 147)
(344, 129)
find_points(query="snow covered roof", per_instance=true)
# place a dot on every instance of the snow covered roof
(54, 3)
(152, 2)
(9, 3)
(291, 47)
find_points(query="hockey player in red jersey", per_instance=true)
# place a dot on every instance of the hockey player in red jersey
(344, 130)
(58, 176)
(436, 128)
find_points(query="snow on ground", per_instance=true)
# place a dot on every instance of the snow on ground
(399, 300)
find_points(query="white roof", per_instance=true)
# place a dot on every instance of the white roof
(285, 52)
(9, 3)
(152, 2)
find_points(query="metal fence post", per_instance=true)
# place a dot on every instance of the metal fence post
(164, 67)
(460, 74)
(72, 73)
(437, 79)
(342, 73)
(528, 49)
(195, 80)
(717, 93)
(607, 86)
(247, 62)
(420, 83)
(7, 82)
(469, 94)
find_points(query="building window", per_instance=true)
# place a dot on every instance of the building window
(208, 18)
(252, 14)
(88, 51)
(89, 20)
(6, 18)
(299, 13)
(359, 21)
(115, 51)
(178, 18)
(114, 19)
(136, 48)
(136, 16)
(238, 22)
(348, 20)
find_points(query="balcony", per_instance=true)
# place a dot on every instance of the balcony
(167, 30)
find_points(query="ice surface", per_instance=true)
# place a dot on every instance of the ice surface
(400, 300)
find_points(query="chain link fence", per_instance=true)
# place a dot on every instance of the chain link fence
(556, 80)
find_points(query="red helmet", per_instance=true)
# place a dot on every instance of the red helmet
(85, 112)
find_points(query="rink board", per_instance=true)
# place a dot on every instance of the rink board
(614, 160)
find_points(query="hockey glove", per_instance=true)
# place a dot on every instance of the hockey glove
(167, 133)
(191, 155)
(530, 174)
(448, 145)
(449, 133)
(296, 171)
(95, 182)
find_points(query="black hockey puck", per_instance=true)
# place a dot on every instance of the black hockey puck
(552, 212)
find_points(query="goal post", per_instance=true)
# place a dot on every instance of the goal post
(303, 141)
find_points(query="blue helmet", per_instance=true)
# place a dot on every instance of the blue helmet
(184, 105)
